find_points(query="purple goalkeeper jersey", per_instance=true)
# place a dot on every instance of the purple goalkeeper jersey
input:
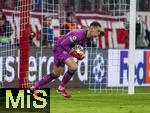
(74, 37)
(65, 43)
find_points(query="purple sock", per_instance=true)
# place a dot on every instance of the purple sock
(67, 76)
(45, 80)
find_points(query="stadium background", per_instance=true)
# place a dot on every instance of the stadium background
(105, 68)
(111, 14)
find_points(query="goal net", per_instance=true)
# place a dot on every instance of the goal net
(37, 24)
(105, 73)
(14, 42)
(120, 67)
(33, 25)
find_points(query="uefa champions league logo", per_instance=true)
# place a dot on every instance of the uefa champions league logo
(98, 67)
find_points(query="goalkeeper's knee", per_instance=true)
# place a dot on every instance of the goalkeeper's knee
(73, 68)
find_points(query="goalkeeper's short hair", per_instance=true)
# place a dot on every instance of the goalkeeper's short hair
(95, 24)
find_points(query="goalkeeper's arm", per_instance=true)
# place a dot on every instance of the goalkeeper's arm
(67, 43)
(76, 51)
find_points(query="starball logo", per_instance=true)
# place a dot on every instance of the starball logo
(21, 100)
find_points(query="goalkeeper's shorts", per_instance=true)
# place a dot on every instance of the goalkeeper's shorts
(60, 56)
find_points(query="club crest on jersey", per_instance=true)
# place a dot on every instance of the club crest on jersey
(73, 38)
(65, 52)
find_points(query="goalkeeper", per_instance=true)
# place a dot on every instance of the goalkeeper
(64, 51)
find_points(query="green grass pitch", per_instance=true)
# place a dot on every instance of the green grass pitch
(86, 101)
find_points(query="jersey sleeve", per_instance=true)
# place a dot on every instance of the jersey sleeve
(68, 42)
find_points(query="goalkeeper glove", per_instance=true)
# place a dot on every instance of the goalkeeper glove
(79, 56)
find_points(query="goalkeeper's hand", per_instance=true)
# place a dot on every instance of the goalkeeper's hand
(79, 56)
(77, 52)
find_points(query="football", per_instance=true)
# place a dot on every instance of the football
(78, 52)
(78, 49)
